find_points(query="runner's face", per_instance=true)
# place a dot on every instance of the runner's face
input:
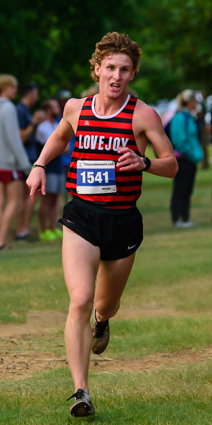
(115, 73)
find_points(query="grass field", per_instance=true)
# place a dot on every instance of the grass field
(158, 366)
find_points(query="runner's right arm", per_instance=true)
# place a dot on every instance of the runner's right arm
(54, 146)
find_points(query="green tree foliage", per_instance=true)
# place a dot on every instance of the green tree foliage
(176, 37)
(51, 42)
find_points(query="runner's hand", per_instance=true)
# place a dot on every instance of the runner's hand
(37, 183)
(129, 160)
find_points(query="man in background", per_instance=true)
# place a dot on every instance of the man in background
(13, 157)
(28, 124)
(49, 209)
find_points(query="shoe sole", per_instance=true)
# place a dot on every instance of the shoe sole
(81, 408)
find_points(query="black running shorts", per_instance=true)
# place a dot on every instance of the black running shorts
(118, 233)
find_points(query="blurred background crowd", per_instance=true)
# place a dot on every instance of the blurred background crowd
(45, 51)
(24, 130)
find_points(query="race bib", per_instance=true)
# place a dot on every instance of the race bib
(96, 177)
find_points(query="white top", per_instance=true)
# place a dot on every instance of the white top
(44, 130)
(107, 117)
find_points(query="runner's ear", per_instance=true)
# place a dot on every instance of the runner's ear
(133, 75)
(97, 68)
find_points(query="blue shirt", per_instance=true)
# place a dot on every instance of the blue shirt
(66, 157)
(25, 118)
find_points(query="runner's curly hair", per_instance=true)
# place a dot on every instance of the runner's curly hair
(111, 43)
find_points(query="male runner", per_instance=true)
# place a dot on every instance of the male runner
(102, 226)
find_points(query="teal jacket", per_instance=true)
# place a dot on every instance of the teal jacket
(184, 136)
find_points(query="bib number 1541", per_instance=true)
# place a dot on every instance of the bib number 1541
(96, 177)
(91, 177)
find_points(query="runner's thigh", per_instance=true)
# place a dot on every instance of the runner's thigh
(80, 264)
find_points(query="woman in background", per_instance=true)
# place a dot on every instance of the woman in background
(185, 139)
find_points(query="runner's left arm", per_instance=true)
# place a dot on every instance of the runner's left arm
(148, 126)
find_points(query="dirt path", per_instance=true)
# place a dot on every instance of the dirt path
(15, 364)
(39, 322)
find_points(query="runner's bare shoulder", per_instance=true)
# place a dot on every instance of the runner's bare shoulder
(72, 111)
(73, 105)
(145, 115)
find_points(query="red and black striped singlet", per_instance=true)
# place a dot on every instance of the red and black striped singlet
(99, 138)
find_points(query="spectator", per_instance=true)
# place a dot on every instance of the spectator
(55, 181)
(28, 125)
(13, 157)
(62, 97)
(185, 139)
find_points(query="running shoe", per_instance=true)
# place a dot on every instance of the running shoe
(184, 224)
(188, 224)
(27, 238)
(48, 236)
(58, 233)
(82, 406)
(5, 247)
(101, 335)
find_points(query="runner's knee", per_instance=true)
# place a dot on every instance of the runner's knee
(81, 306)
(106, 310)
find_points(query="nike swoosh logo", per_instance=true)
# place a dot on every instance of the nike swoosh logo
(130, 247)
